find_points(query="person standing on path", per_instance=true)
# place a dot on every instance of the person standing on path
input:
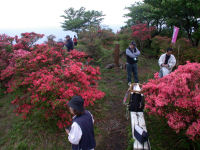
(81, 133)
(166, 62)
(132, 54)
(69, 43)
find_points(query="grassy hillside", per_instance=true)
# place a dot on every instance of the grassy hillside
(112, 129)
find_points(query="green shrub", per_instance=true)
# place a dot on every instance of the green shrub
(124, 38)
(160, 44)
(107, 37)
(90, 43)
(184, 51)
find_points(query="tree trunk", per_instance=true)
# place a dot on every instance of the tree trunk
(116, 55)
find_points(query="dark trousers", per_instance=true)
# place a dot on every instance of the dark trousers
(132, 68)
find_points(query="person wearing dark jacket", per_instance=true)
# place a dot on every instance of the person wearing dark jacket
(131, 54)
(81, 133)
(69, 43)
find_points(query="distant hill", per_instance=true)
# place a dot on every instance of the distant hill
(58, 32)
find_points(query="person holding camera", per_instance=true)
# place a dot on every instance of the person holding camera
(81, 132)
(132, 54)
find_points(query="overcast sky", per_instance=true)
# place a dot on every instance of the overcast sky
(20, 14)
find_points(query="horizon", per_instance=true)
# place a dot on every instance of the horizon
(58, 32)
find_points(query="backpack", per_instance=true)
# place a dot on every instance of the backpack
(136, 102)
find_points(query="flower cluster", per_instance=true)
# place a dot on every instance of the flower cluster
(5, 40)
(177, 98)
(27, 40)
(48, 77)
(9, 52)
(141, 31)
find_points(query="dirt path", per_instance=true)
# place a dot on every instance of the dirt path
(113, 125)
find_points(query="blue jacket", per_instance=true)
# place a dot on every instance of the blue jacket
(69, 45)
(87, 141)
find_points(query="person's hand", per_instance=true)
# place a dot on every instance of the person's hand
(163, 65)
(67, 131)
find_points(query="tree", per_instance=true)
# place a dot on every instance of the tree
(182, 13)
(145, 13)
(78, 20)
(50, 40)
(141, 33)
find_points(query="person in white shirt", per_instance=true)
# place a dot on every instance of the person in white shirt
(81, 132)
(166, 62)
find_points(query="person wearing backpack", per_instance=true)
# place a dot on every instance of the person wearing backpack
(132, 54)
(81, 132)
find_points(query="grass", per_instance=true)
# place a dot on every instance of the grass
(130, 138)
(19, 134)
(160, 132)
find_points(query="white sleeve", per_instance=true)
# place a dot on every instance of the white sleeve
(75, 134)
(172, 62)
(161, 59)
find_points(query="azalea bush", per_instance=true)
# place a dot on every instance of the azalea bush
(184, 51)
(5, 50)
(13, 47)
(141, 33)
(176, 97)
(47, 78)
(27, 40)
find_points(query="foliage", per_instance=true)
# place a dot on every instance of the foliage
(181, 13)
(106, 36)
(159, 44)
(141, 33)
(48, 77)
(185, 52)
(50, 40)
(146, 14)
(191, 54)
(78, 20)
(91, 42)
(27, 40)
(5, 41)
(176, 97)
(9, 52)
(5, 50)
(124, 37)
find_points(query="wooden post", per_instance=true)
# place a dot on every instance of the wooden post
(116, 55)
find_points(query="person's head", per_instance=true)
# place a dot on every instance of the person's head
(132, 45)
(76, 105)
(67, 37)
(169, 51)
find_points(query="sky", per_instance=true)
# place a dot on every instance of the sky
(19, 15)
